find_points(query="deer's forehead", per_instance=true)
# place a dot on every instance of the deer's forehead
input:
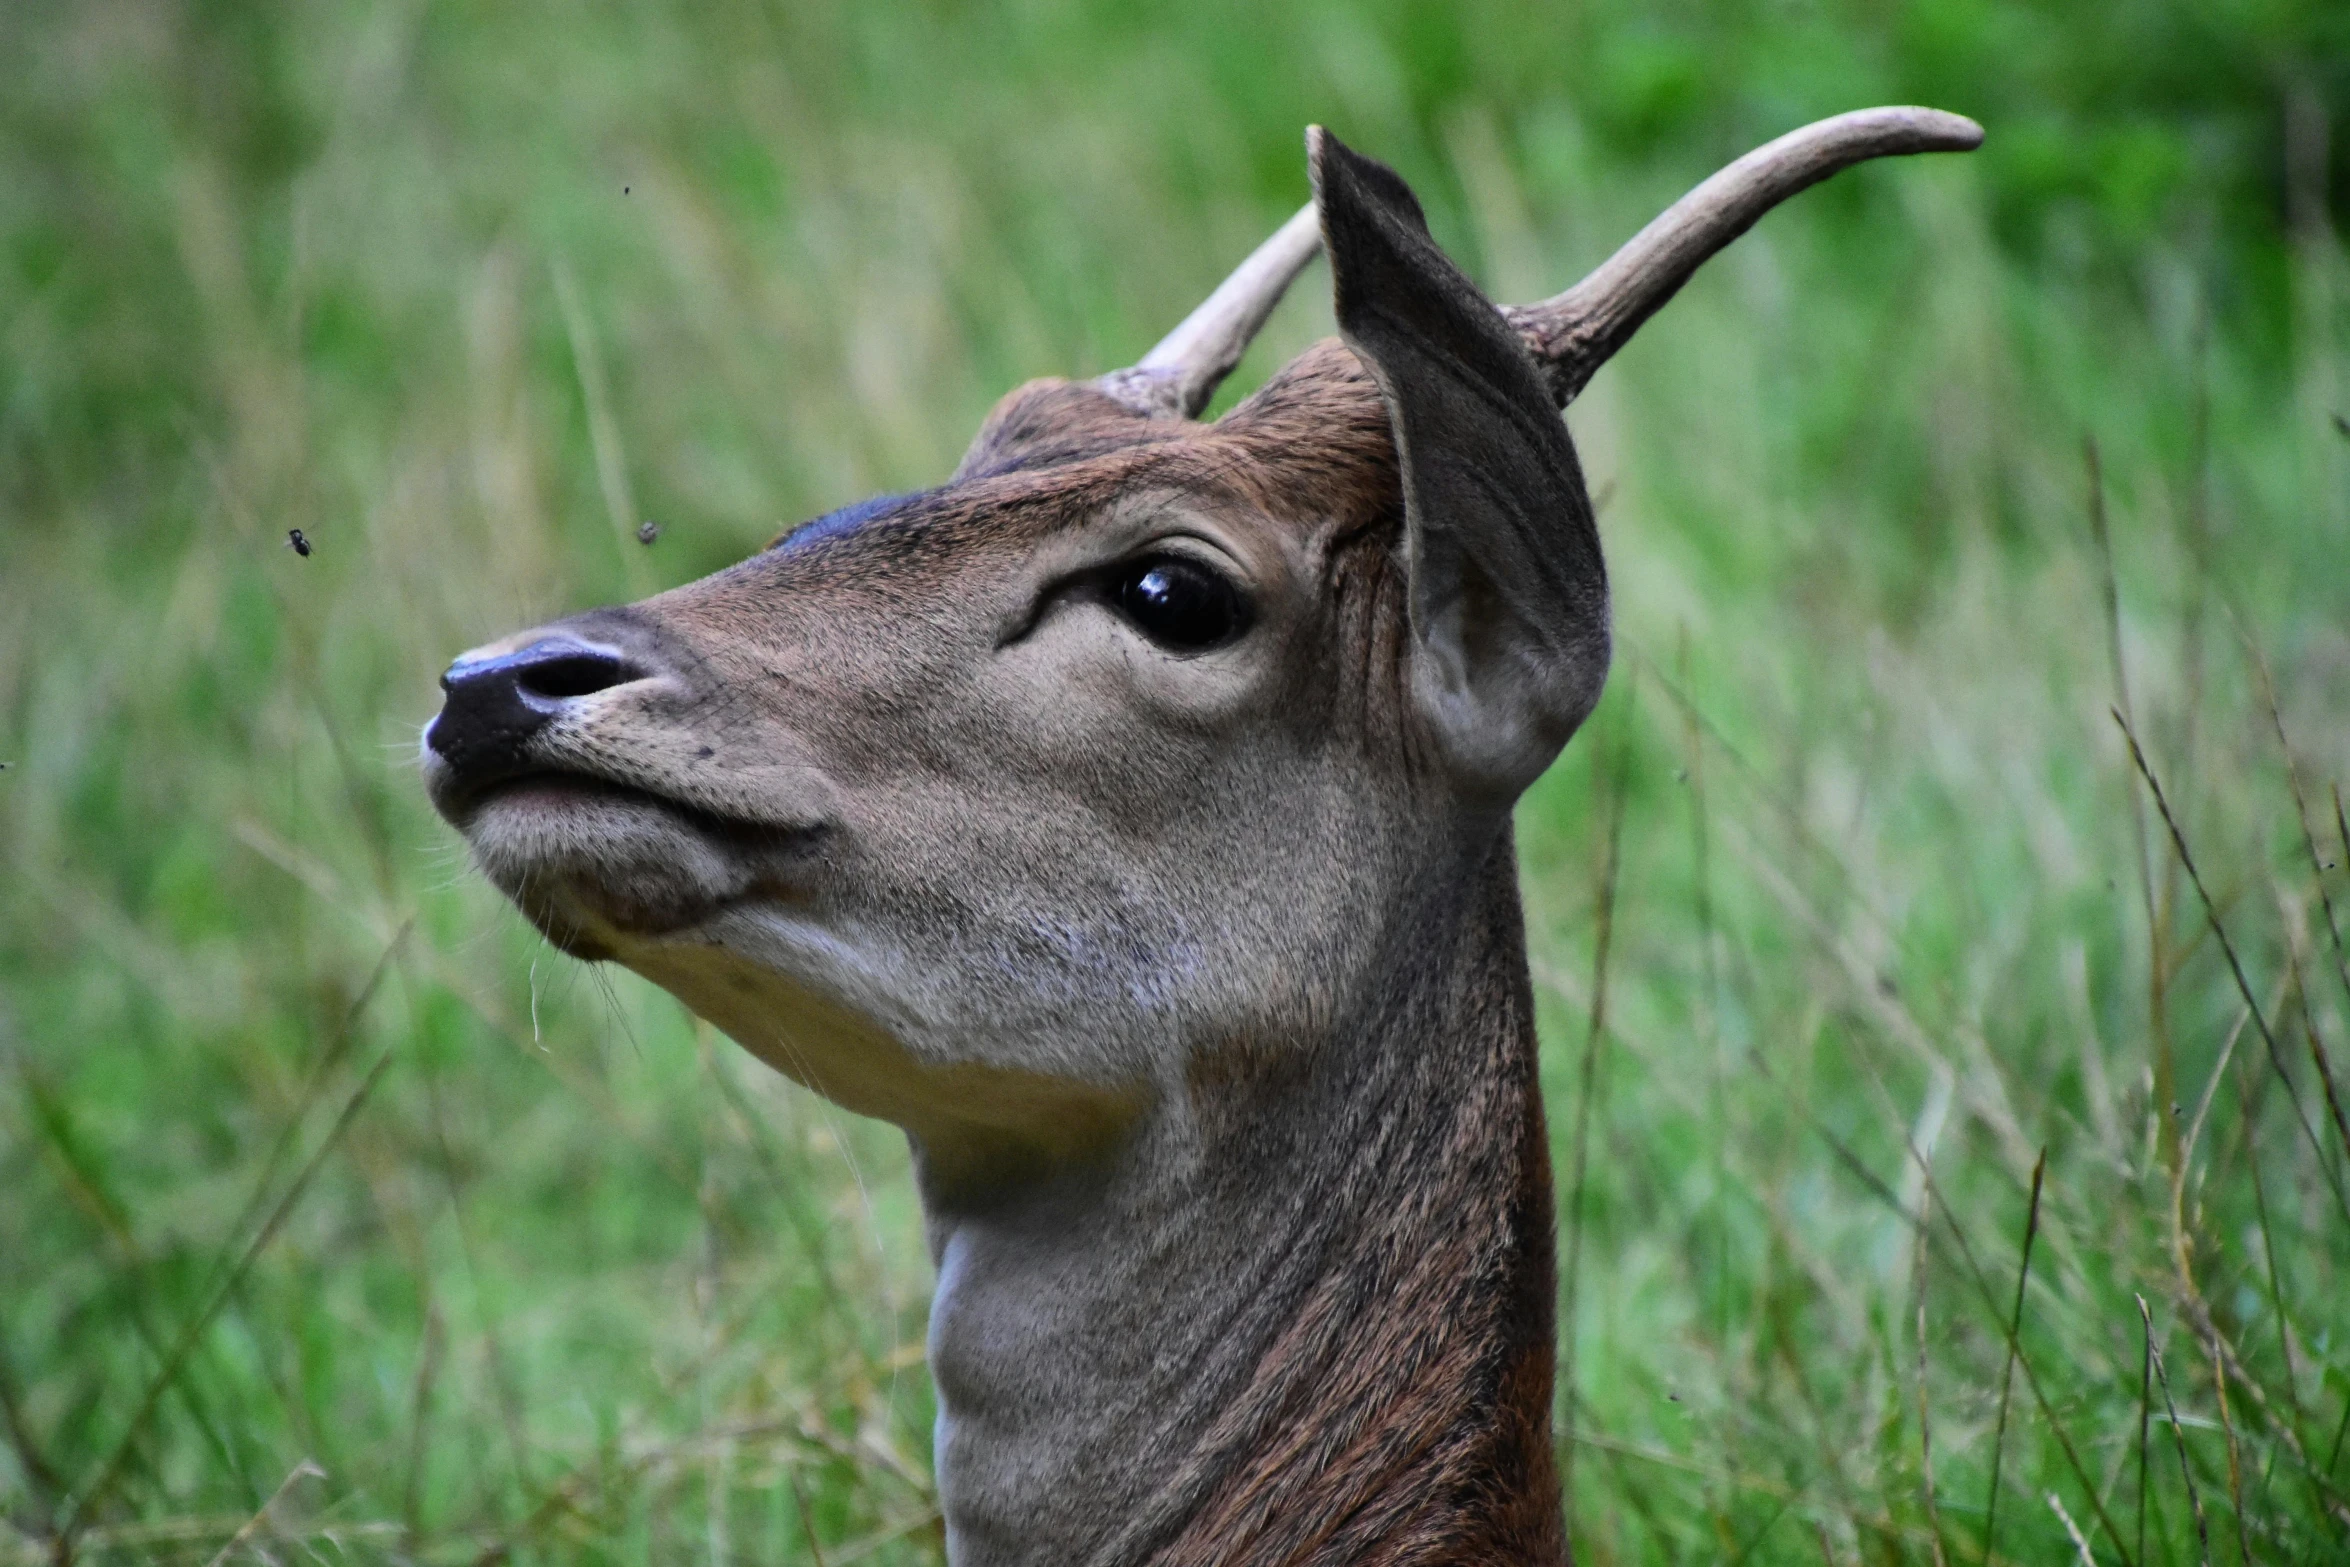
(892, 542)
(875, 511)
(1307, 458)
(977, 528)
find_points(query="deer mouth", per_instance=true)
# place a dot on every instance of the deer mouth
(598, 864)
(463, 803)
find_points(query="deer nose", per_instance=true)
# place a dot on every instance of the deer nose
(495, 705)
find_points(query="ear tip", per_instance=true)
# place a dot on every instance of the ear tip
(1339, 173)
(1322, 151)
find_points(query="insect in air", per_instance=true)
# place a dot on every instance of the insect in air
(296, 542)
(647, 532)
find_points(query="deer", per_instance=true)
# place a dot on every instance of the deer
(1127, 818)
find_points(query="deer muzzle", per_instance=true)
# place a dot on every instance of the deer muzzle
(581, 763)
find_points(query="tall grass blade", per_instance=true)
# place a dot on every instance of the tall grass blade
(2276, 1288)
(1985, 1291)
(2227, 947)
(2023, 1362)
(1918, 1273)
(2166, 1070)
(2317, 865)
(2072, 1531)
(2145, 1421)
(1571, 1275)
(47, 1484)
(110, 1471)
(2178, 1436)
(799, 1496)
(305, 1470)
(2015, 1323)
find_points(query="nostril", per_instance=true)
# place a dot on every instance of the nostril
(577, 672)
(550, 671)
(497, 706)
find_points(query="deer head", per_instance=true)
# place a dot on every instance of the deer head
(1127, 818)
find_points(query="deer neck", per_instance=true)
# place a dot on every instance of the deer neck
(1304, 1312)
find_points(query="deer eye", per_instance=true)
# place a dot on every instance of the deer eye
(1179, 604)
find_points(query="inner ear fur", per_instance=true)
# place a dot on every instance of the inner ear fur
(1508, 594)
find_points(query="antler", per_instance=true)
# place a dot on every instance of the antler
(1176, 379)
(1572, 334)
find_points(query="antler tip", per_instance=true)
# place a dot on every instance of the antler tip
(1573, 333)
(1938, 130)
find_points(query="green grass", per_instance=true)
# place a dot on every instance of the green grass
(311, 1155)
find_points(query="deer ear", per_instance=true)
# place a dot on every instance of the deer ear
(1508, 597)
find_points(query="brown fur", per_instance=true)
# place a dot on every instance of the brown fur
(1403, 1417)
(1395, 1405)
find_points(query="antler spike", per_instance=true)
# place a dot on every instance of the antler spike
(1572, 334)
(1176, 379)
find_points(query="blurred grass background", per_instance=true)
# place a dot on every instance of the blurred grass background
(340, 1220)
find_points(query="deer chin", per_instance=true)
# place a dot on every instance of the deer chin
(830, 1011)
(600, 867)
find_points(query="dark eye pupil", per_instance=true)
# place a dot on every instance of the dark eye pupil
(1180, 605)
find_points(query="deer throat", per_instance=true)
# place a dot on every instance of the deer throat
(1305, 1314)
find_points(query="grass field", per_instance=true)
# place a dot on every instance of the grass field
(1952, 1174)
